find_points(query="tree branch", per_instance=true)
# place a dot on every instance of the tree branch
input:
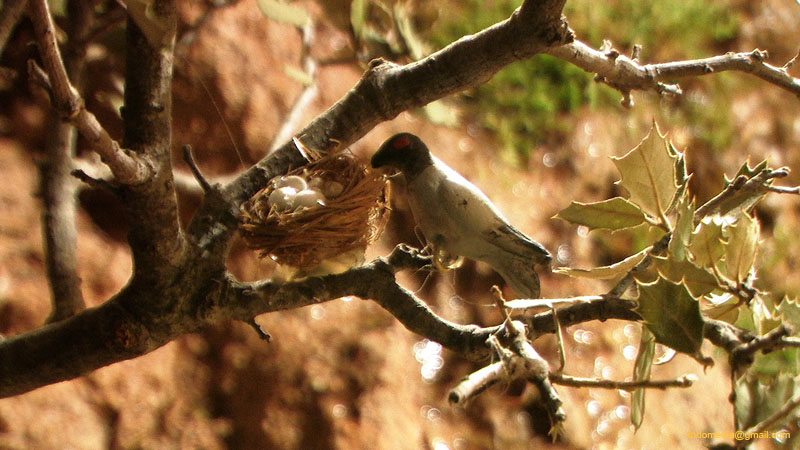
(566, 380)
(127, 168)
(626, 74)
(59, 188)
(155, 236)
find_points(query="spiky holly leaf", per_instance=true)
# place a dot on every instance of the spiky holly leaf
(733, 203)
(699, 281)
(747, 171)
(612, 214)
(648, 174)
(740, 247)
(682, 233)
(725, 307)
(707, 245)
(681, 176)
(789, 309)
(672, 315)
(605, 272)
(641, 372)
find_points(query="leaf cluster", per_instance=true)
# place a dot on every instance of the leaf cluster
(701, 266)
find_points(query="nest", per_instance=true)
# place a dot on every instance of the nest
(305, 237)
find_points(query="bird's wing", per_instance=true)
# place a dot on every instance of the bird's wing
(514, 241)
(453, 211)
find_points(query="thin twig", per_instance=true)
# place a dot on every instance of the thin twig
(769, 340)
(92, 181)
(58, 221)
(260, 331)
(788, 342)
(536, 371)
(626, 74)
(126, 168)
(198, 175)
(778, 415)
(476, 383)
(59, 188)
(567, 380)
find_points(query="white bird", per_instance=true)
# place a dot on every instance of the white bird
(457, 219)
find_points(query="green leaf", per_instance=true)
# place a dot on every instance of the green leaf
(672, 315)
(441, 113)
(681, 176)
(699, 281)
(789, 310)
(605, 272)
(707, 246)
(285, 13)
(741, 199)
(726, 308)
(758, 398)
(612, 214)
(648, 174)
(764, 315)
(747, 171)
(776, 362)
(641, 372)
(358, 15)
(298, 75)
(414, 43)
(682, 233)
(740, 248)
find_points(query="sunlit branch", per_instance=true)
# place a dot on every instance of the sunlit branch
(627, 74)
(566, 380)
(776, 417)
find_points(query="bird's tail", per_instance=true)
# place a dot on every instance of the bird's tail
(520, 274)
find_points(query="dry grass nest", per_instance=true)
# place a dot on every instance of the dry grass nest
(352, 214)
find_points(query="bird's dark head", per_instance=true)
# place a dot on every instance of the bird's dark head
(404, 152)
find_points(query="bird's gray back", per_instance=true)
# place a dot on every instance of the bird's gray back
(452, 212)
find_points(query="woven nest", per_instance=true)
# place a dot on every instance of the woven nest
(351, 218)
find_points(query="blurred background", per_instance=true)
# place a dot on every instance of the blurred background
(345, 374)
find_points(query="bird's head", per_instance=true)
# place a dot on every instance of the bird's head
(404, 152)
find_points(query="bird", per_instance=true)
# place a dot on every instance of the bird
(457, 219)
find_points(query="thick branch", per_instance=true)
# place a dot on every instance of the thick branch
(151, 207)
(374, 281)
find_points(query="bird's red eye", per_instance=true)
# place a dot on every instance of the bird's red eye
(401, 143)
